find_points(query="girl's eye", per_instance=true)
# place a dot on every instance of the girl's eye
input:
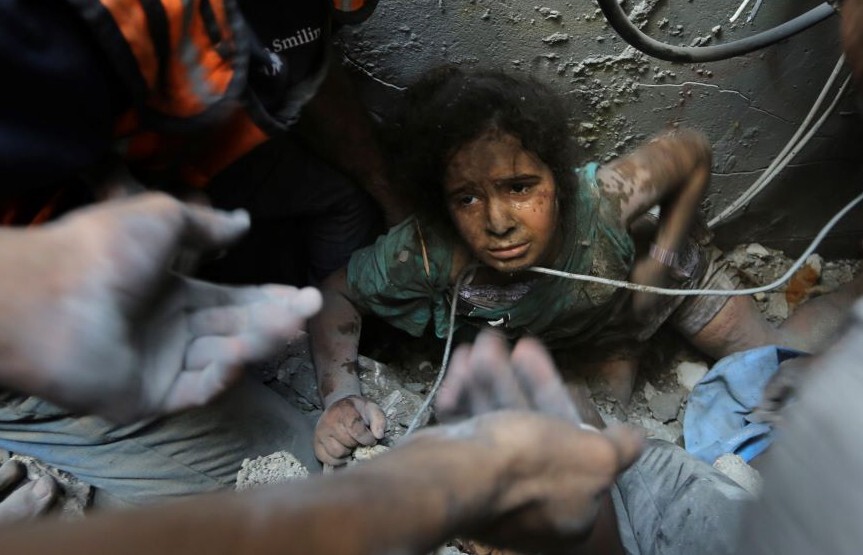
(467, 200)
(519, 188)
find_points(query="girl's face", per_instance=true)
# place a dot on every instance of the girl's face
(502, 199)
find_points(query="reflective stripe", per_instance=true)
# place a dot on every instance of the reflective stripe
(192, 56)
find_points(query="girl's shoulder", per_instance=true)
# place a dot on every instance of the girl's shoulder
(409, 254)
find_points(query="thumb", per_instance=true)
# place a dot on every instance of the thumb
(206, 228)
(374, 418)
(627, 442)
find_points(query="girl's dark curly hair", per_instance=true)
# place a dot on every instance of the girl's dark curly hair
(449, 107)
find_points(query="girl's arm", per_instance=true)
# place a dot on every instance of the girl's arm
(349, 419)
(673, 171)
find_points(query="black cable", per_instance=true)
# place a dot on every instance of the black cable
(618, 19)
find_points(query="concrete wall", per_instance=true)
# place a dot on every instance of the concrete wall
(748, 106)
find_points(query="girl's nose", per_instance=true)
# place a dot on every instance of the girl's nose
(499, 220)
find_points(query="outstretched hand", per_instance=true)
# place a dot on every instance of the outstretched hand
(111, 331)
(553, 469)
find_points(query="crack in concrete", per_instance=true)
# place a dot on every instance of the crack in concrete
(697, 84)
(371, 75)
(761, 170)
(771, 114)
(748, 100)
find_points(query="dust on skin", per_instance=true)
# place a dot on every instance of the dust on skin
(349, 328)
(327, 385)
(643, 176)
(350, 366)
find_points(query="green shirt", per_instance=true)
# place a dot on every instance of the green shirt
(389, 278)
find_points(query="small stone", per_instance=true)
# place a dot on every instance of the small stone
(690, 373)
(556, 38)
(716, 30)
(755, 249)
(415, 387)
(649, 391)
(736, 468)
(672, 432)
(777, 306)
(760, 296)
(665, 406)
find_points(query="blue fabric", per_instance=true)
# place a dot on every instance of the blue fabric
(716, 421)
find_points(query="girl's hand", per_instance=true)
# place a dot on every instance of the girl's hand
(345, 425)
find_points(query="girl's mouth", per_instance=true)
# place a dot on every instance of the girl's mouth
(508, 253)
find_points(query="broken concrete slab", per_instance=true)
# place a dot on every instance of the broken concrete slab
(665, 406)
(690, 373)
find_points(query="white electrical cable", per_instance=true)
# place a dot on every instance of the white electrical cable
(446, 352)
(739, 11)
(782, 159)
(785, 156)
(629, 285)
(774, 170)
(711, 292)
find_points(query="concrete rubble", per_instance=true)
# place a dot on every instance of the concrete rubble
(276, 468)
(400, 384)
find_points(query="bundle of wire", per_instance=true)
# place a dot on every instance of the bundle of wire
(794, 146)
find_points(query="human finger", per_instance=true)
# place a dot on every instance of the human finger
(452, 399)
(331, 451)
(204, 351)
(268, 318)
(302, 303)
(360, 432)
(11, 473)
(28, 501)
(495, 383)
(627, 442)
(207, 228)
(195, 388)
(373, 417)
(536, 372)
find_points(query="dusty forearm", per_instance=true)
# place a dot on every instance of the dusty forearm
(672, 170)
(384, 507)
(680, 206)
(335, 336)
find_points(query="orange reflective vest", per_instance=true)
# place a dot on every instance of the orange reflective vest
(191, 60)
(186, 64)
